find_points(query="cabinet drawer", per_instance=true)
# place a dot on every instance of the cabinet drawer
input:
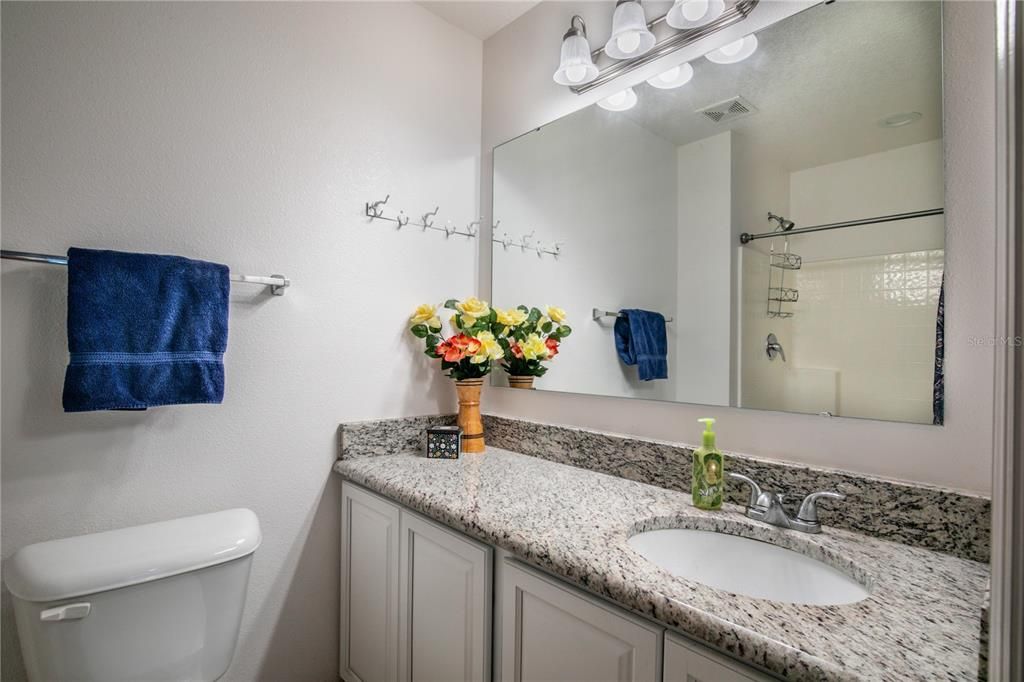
(551, 631)
(687, 661)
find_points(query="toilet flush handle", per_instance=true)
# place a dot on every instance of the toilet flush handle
(67, 612)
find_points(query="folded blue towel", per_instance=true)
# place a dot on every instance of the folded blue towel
(640, 340)
(144, 330)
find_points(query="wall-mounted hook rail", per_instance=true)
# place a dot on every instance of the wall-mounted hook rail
(375, 211)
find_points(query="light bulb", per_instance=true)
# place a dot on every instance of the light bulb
(618, 99)
(733, 48)
(694, 9)
(670, 75)
(628, 42)
(575, 74)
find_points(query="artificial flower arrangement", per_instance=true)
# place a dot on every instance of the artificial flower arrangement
(472, 352)
(530, 338)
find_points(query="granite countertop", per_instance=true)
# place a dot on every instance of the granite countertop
(920, 622)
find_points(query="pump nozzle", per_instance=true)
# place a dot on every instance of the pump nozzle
(709, 435)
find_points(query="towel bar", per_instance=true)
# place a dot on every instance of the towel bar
(598, 314)
(277, 283)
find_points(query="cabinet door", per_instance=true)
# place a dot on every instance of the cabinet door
(551, 631)
(687, 661)
(445, 604)
(369, 587)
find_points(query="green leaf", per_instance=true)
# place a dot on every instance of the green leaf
(547, 327)
(435, 330)
(523, 308)
(433, 340)
(431, 353)
(419, 331)
(534, 317)
(564, 331)
(450, 303)
(493, 317)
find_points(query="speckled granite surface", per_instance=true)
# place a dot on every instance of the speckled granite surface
(916, 515)
(921, 622)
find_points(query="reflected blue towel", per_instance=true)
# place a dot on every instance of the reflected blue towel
(144, 330)
(640, 340)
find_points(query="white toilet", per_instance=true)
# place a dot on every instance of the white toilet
(161, 601)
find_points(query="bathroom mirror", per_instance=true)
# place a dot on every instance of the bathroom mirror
(833, 125)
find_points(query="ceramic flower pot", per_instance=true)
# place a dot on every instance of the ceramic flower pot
(469, 415)
(521, 382)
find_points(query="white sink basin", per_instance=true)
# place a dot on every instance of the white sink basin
(748, 567)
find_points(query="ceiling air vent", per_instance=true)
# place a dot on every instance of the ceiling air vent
(729, 110)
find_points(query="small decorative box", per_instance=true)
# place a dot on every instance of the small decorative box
(444, 442)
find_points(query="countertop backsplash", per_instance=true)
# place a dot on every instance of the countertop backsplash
(917, 515)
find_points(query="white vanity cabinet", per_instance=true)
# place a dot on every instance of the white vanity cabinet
(416, 606)
(687, 661)
(550, 631)
(415, 596)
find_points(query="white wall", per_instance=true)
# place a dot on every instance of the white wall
(704, 280)
(249, 134)
(518, 95)
(617, 223)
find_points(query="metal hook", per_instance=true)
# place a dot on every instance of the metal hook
(524, 241)
(474, 226)
(558, 249)
(494, 227)
(448, 229)
(506, 240)
(427, 217)
(374, 210)
(402, 219)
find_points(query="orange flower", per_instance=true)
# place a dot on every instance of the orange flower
(457, 347)
(516, 350)
(552, 345)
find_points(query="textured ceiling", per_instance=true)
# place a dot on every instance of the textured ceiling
(481, 18)
(821, 80)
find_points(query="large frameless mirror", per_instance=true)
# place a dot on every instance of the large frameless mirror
(781, 213)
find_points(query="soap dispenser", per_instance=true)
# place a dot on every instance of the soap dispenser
(708, 471)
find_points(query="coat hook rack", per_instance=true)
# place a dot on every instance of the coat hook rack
(374, 210)
(524, 242)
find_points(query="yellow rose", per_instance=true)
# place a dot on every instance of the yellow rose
(510, 318)
(425, 314)
(489, 349)
(533, 348)
(472, 309)
(556, 314)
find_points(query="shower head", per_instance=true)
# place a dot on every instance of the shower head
(784, 225)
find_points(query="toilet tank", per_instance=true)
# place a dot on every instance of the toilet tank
(161, 601)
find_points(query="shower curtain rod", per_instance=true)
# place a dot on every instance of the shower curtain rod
(746, 237)
(277, 283)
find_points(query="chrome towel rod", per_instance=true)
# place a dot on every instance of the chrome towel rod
(277, 283)
(746, 237)
(598, 314)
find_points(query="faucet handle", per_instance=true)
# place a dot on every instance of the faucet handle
(809, 507)
(755, 489)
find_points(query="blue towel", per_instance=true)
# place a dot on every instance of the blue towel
(640, 340)
(144, 330)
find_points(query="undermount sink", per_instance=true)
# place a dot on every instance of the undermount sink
(748, 567)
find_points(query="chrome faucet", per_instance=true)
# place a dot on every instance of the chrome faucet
(767, 506)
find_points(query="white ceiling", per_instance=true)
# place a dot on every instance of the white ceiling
(821, 80)
(481, 18)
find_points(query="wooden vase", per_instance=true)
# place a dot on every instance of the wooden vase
(469, 415)
(520, 382)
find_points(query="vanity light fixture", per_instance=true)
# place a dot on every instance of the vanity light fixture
(620, 101)
(576, 67)
(630, 35)
(736, 51)
(694, 13)
(675, 77)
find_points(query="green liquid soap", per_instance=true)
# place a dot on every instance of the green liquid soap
(708, 471)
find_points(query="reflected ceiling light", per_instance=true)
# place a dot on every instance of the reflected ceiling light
(630, 35)
(675, 77)
(576, 66)
(694, 13)
(620, 101)
(736, 51)
(900, 120)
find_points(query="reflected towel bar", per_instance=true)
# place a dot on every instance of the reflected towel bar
(277, 283)
(598, 314)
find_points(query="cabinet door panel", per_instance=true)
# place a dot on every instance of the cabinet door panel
(687, 661)
(369, 587)
(445, 598)
(554, 632)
